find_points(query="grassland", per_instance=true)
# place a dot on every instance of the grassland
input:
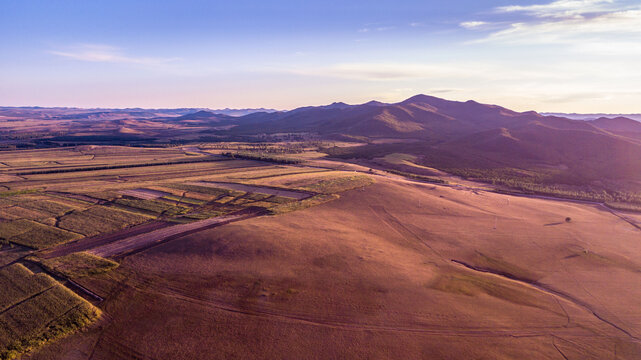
(337, 184)
(157, 207)
(100, 219)
(360, 273)
(76, 265)
(35, 310)
(32, 234)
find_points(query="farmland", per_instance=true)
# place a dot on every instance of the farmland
(65, 210)
(36, 309)
(317, 259)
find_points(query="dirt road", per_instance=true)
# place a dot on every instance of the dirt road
(100, 240)
(145, 240)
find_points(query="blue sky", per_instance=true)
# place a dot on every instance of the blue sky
(563, 55)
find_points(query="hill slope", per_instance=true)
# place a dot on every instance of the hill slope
(453, 134)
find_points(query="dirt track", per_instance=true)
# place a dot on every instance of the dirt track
(96, 241)
(145, 240)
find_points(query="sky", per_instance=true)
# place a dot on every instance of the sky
(563, 56)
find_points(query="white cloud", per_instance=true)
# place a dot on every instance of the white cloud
(561, 8)
(106, 53)
(472, 24)
(376, 28)
(617, 25)
(477, 71)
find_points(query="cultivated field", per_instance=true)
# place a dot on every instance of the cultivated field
(65, 211)
(36, 309)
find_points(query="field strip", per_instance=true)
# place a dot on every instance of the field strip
(123, 166)
(25, 300)
(284, 174)
(145, 240)
(99, 240)
(145, 194)
(294, 194)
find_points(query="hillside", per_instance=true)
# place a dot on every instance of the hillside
(459, 136)
(379, 274)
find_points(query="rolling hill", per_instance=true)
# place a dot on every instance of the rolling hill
(455, 135)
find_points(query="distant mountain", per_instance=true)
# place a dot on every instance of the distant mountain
(420, 117)
(106, 113)
(241, 112)
(575, 116)
(470, 135)
(203, 115)
(617, 124)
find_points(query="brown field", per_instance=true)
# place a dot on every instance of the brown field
(349, 279)
(370, 266)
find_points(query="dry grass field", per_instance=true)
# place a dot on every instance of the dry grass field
(365, 266)
(464, 275)
(36, 309)
(65, 201)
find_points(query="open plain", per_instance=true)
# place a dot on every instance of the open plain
(367, 264)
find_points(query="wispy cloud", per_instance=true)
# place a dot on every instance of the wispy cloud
(586, 26)
(414, 71)
(572, 30)
(375, 28)
(107, 54)
(472, 24)
(562, 8)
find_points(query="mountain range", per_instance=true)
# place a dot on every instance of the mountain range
(469, 134)
(439, 133)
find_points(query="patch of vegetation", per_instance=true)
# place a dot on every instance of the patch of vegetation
(18, 283)
(623, 206)
(338, 184)
(10, 229)
(19, 212)
(32, 234)
(303, 204)
(185, 200)
(99, 219)
(206, 190)
(278, 159)
(503, 267)
(11, 252)
(527, 179)
(41, 236)
(417, 176)
(50, 207)
(37, 310)
(153, 206)
(475, 284)
(76, 265)
(124, 166)
(18, 192)
(225, 199)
